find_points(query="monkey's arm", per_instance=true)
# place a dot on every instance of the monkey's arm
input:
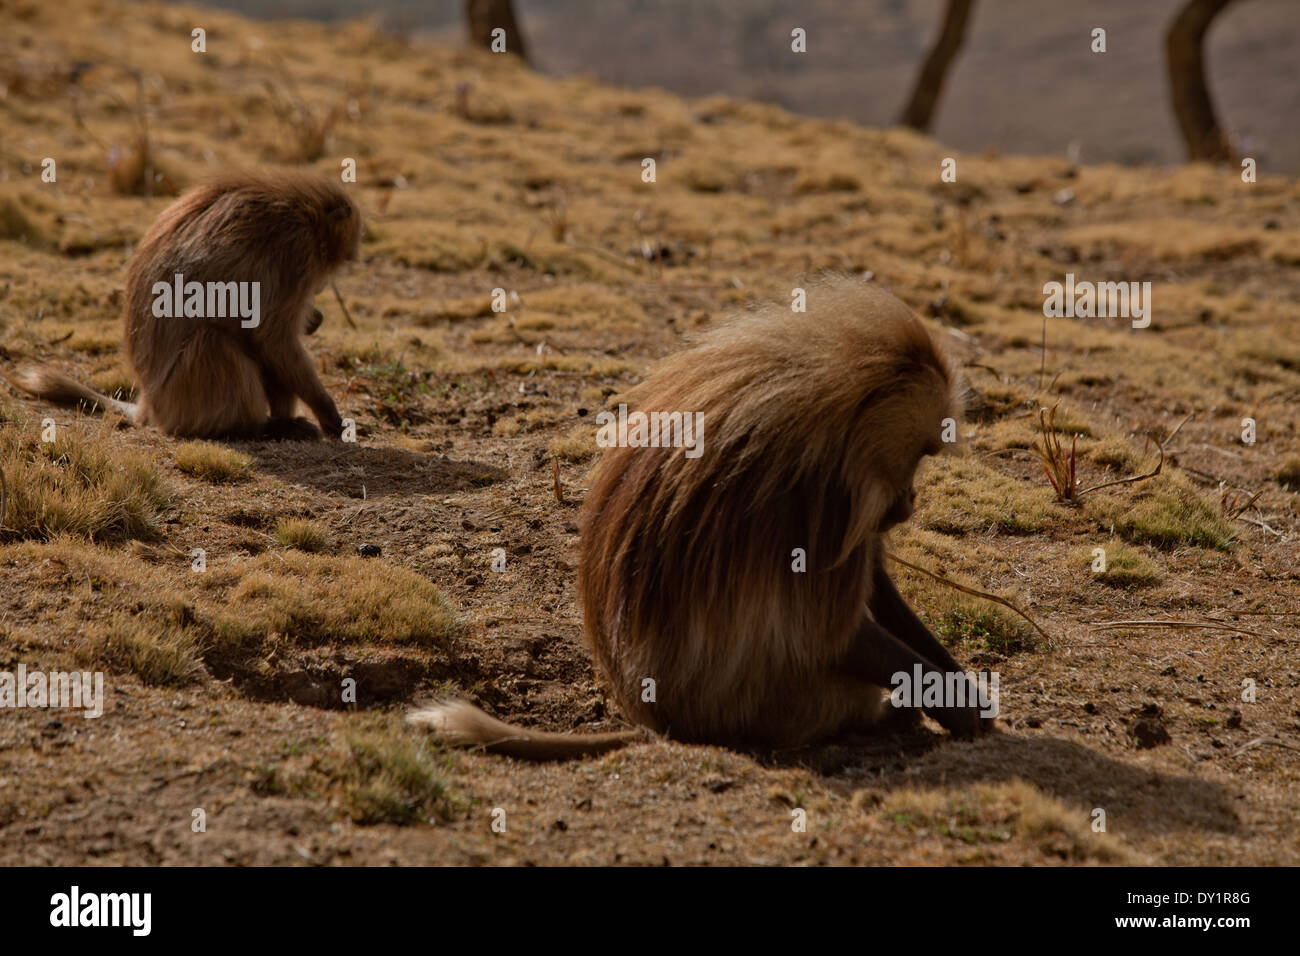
(289, 366)
(876, 656)
(282, 425)
(892, 613)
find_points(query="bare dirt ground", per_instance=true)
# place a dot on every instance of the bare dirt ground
(224, 686)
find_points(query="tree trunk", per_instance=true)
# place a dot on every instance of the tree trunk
(484, 16)
(919, 112)
(1185, 61)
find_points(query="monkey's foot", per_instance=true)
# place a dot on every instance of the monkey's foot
(960, 721)
(290, 429)
(898, 720)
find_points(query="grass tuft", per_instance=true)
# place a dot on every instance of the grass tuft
(213, 463)
(85, 484)
(1288, 476)
(989, 814)
(1167, 513)
(1126, 567)
(158, 651)
(394, 776)
(301, 534)
(315, 599)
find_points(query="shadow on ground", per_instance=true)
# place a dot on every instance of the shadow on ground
(1132, 796)
(367, 471)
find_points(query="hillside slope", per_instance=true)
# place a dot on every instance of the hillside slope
(225, 686)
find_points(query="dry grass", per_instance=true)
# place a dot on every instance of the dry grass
(344, 599)
(392, 775)
(212, 462)
(300, 533)
(159, 651)
(1288, 476)
(965, 495)
(994, 813)
(1126, 567)
(84, 483)
(576, 445)
(1167, 513)
(1118, 453)
(964, 621)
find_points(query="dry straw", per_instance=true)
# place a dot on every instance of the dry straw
(961, 587)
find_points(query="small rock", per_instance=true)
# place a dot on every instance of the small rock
(718, 784)
(1150, 732)
(1233, 722)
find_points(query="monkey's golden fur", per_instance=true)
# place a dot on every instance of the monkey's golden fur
(210, 377)
(813, 426)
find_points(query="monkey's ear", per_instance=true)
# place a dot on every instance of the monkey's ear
(338, 211)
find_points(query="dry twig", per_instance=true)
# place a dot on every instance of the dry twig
(969, 590)
(346, 314)
(1208, 625)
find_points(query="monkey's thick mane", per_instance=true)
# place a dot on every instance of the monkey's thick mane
(686, 565)
(232, 210)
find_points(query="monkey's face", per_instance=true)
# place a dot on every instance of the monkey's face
(896, 432)
(900, 510)
(902, 498)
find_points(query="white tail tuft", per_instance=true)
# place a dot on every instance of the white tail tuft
(461, 724)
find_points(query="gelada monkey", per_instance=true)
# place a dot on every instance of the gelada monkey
(218, 296)
(813, 427)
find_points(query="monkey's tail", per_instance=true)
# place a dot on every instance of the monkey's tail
(461, 724)
(58, 388)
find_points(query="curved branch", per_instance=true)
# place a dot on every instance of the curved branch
(1188, 91)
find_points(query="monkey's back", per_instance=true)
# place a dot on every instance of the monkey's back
(279, 228)
(686, 570)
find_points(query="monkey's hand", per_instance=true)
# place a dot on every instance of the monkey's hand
(290, 429)
(964, 721)
(313, 322)
(882, 659)
(331, 423)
